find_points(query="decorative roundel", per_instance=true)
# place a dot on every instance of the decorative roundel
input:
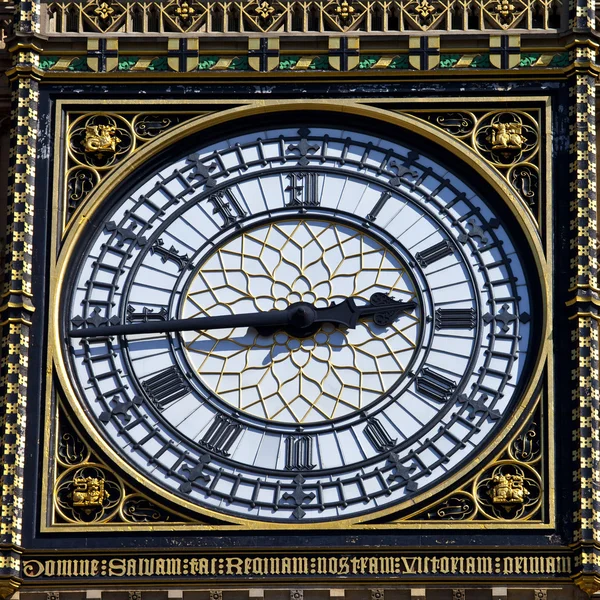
(299, 324)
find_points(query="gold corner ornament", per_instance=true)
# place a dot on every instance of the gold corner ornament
(97, 142)
(508, 489)
(507, 136)
(89, 492)
(100, 139)
(507, 140)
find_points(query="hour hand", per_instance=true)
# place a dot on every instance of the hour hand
(383, 308)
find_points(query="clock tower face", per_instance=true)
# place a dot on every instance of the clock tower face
(298, 325)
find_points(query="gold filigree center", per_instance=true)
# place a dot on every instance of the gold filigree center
(282, 378)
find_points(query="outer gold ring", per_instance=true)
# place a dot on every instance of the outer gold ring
(262, 108)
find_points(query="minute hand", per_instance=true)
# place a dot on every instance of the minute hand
(277, 319)
(299, 319)
(382, 307)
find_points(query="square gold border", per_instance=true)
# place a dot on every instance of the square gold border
(542, 103)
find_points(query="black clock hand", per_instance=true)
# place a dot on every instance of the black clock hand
(276, 319)
(383, 308)
(300, 319)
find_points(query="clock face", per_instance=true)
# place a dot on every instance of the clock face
(292, 413)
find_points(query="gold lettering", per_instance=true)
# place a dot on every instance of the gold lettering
(248, 566)
(286, 566)
(457, 564)
(332, 565)
(63, 568)
(535, 564)
(199, 566)
(386, 564)
(116, 567)
(49, 568)
(484, 565)
(301, 565)
(564, 564)
(160, 566)
(173, 566)
(33, 568)
(321, 565)
(146, 566)
(471, 566)
(274, 567)
(409, 564)
(397, 565)
(444, 564)
(344, 567)
(373, 565)
(131, 567)
(234, 566)
(257, 566)
(520, 564)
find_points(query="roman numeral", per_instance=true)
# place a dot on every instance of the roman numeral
(303, 189)
(436, 252)
(385, 196)
(435, 386)
(172, 254)
(227, 206)
(221, 435)
(454, 318)
(166, 387)
(298, 453)
(378, 436)
(145, 315)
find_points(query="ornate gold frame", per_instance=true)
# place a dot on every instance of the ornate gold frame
(392, 113)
